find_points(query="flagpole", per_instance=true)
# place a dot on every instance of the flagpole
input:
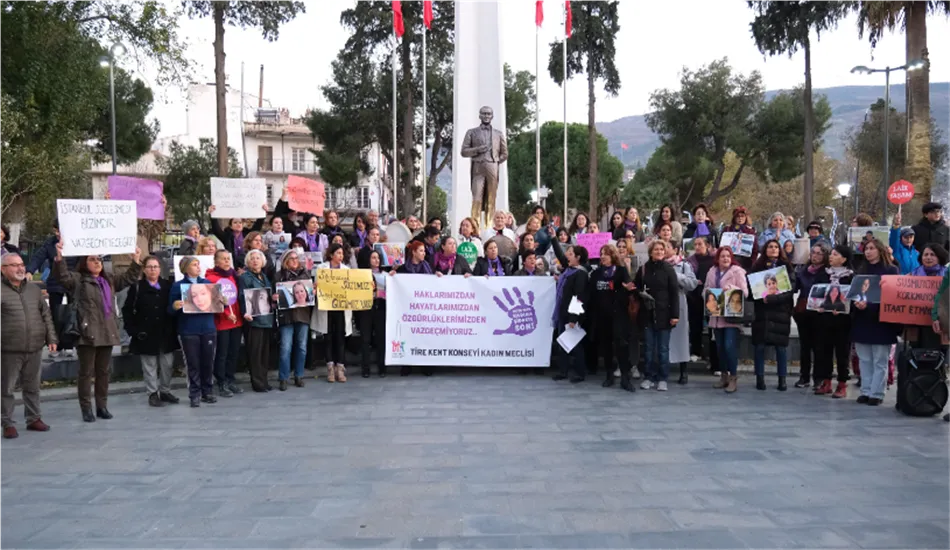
(564, 89)
(425, 182)
(537, 110)
(395, 161)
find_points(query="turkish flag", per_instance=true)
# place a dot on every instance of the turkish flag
(538, 12)
(567, 19)
(398, 26)
(427, 13)
(623, 146)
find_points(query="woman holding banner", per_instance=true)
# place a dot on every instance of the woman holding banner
(294, 324)
(726, 275)
(492, 265)
(93, 291)
(196, 334)
(228, 325)
(773, 317)
(260, 327)
(872, 338)
(834, 329)
(468, 233)
(336, 325)
(448, 262)
(416, 264)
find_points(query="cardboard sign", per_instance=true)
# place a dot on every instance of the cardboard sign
(147, 195)
(206, 263)
(304, 195)
(908, 300)
(344, 289)
(900, 192)
(238, 197)
(97, 227)
(593, 242)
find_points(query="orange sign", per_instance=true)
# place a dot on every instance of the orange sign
(908, 300)
(900, 192)
(305, 195)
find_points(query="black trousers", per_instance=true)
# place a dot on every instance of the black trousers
(694, 303)
(611, 338)
(809, 341)
(198, 351)
(336, 337)
(372, 324)
(572, 364)
(226, 356)
(834, 337)
(258, 355)
(56, 309)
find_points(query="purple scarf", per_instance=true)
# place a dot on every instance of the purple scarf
(702, 230)
(362, 237)
(421, 268)
(444, 262)
(106, 290)
(559, 293)
(495, 268)
(609, 272)
(157, 285)
(229, 273)
(238, 243)
(632, 226)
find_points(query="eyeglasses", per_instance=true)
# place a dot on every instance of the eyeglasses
(93, 259)
(153, 267)
(21, 264)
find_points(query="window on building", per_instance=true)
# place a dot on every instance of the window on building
(362, 198)
(301, 160)
(333, 196)
(265, 158)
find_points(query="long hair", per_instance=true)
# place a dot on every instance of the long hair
(660, 222)
(574, 227)
(331, 250)
(611, 224)
(202, 243)
(473, 223)
(759, 264)
(885, 253)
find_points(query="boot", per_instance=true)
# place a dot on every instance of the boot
(103, 413)
(298, 381)
(331, 373)
(364, 371)
(283, 385)
(824, 388)
(340, 374)
(841, 390)
(87, 415)
(168, 398)
(626, 383)
(684, 377)
(732, 381)
(723, 381)
(803, 382)
(609, 381)
(759, 383)
(782, 386)
(155, 401)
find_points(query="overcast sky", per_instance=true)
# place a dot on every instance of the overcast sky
(655, 41)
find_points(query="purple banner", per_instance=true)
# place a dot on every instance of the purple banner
(147, 195)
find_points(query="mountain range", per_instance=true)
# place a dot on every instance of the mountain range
(848, 105)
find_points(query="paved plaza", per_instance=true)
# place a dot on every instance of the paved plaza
(484, 459)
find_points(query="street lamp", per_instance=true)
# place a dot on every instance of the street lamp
(843, 189)
(117, 50)
(540, 198)
(861, 69)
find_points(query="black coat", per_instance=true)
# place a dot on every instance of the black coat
(658, 279)
(460, 267)
(362, 257)
(712, 238)
(146, 319)
(226, 236)
(926, 232)
(481, 266)
(608, 297)
(773, 318)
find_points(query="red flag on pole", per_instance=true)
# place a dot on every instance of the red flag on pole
(427, 13)
(398, 27)
(567, 20)
(539, 12)
(623, 145)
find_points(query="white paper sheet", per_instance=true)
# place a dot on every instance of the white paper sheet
(575, 307)
(571, 337)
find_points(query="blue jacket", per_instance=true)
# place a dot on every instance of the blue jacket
(248, 281)
(865, 326)
(770, 233)
(907, 257)
(47, 254)
(192, 324)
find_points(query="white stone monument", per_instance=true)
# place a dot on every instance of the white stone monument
(479, 81)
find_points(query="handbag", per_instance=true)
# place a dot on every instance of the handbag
(633, 307)
(70, 324)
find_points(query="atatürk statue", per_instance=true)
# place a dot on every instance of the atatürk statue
(487, 148)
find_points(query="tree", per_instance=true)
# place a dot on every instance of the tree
(521, 169)
(874, 18)
(782, 27)
(188, 172)
(268, 16)
(520, 101)
(590, 49)
(667, 178)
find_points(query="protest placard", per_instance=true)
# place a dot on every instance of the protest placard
(829, 298)
(900, 192)
(741, 244)
(97, 227)
(865, 288)
(202, 298)
(769, 282)
(294, 294)
(238, 197)
(593, 242)
(306, 195)
(393, 254)
(342, 289)
(206, 263)
(908, 300)
(859, 236)
(147, 195)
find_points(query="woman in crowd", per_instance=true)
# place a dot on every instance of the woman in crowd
(228, 325)
(316, 241)
(631, 221)
(571, 284)
(499, 228)
(255, 241)
(809, 333)
(416, 264)
(369, 246)
(615, 226)
(701, 261)
(94, 293)
(448, 262)
(726, 275)
(702, 226)
(357, 239)
(535, 227)
(196, 334)
(628, 257)
(275, 241)
(592, 227)
(679, 335)
(191, 232)
(348, 257)
(563, 238)
(902, 246)
(152, 330)
(933, 262)
(372, 322)
(293, 323)
(740, 224)
(414, 224)
(528, 243)
(530, 265)
(609, 291)
(940, 312)
(776, 230)
(336, 325)
(233, 238)
(492, 265)
(659, 313)
(834, 329)
(872, 338)
(773, 317)
(468, 233)
(206, 247)
(665, 216)
(260, 327)
(331, 224)
(436, 222)
(579, 225)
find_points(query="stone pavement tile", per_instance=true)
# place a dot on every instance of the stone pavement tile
(400, 526)
(514, 488)
(466, 543)
(530, 504)
(355, 543)
(629, 520)
(679, 483)
(815, 536)
(716, 455)
(617, 502)
(718, 518)
(655, 457)
(72, 529)
(575, 540)
(515, 524)
(612, 446)
(894, 534)
(815, 516)
(265, 530)
(253, 508)
(698, 538)
(935, 507)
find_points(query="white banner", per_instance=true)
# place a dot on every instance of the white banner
(478, 321)
(97, 227)
(238, 197)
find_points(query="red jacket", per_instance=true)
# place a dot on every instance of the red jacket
(221, 320)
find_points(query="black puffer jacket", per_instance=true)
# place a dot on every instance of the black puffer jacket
(926, 232)
(773, 318)
(147, 321)
(658, 279)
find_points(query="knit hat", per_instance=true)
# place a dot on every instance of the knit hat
(283, 257)
(185, 262)
(186, 227)
(907, 231)
(814, 225)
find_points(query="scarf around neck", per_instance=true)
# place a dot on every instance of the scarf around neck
(838, 273)
(229, 273)
(106, 290)
(495, 269)
(702, 230)
(361, 235)
(421, 268)
(444, 262)
(935, 271)
(238, 242)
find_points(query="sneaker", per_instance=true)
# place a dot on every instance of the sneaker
(617, 372)
(195, 403)
(224, 391)
(636, 373)
(168, 398)
(694, 359)
(863, 399)
(661, 385)
(874, 401)
(155, 401)
(234, 388)
(646, 385)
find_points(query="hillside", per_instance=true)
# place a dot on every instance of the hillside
(848, 104)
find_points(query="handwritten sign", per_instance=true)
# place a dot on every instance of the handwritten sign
(304, 195)
(147, 195)
(907, 300)
(344, 289)
(238, 197)
(97, 227)
(593, 242)
(900, 192)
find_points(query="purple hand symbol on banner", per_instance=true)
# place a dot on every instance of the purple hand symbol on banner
(523, 318)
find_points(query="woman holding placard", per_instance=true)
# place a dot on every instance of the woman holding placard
(336, 325)
(259, 328)
(228, 324)
(727, 275)
(196, 334)
(293, 323)
(806, 320)
(834, 329)
(872, 338)
(233, 237)
(93, 291)
(740, 224)
(773, 317)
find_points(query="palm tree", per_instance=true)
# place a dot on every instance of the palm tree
(874, 18)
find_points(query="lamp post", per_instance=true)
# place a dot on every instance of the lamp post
(861, 69)
(540, 196)
(843, 189)
(115, 51)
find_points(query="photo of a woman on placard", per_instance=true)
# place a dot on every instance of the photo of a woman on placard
(834, 300)
(257, 301)
(862, 295)
(713, 307)
(293, 294)
(734, 304)
(771, 285)
(203, 298)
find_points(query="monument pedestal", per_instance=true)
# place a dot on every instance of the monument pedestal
(479, 82)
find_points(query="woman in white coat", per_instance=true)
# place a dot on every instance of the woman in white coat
(336, 325)
(679, 338)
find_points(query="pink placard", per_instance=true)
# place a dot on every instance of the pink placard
(592, 242)
(147, 195)
(304, 195)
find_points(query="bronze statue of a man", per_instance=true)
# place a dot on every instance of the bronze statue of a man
(487, 148)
